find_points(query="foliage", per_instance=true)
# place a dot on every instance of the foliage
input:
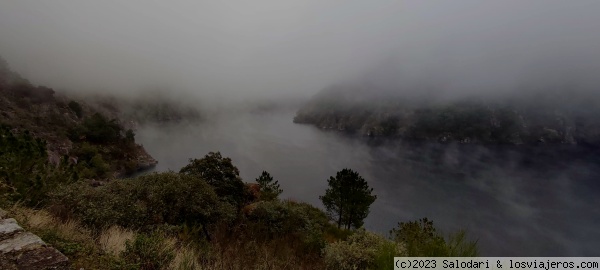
(220, 173)
(148, 252)
(277, 219)
(25, 173)
(90, 163)
(269, 190)
(348, 198)
(76, 108)
(459, 246)
(423, 240)
(98, 129)
(362, 250)
(130, 136)
(143, 201)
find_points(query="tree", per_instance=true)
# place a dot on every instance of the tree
(423, 240)
(269, 190)
(348, 198)
(220, 173)
(76, 108)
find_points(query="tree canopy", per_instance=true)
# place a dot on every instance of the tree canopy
(219, 172)
(269, 189)
(348, 198)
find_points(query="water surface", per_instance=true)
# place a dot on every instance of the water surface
(538, 201)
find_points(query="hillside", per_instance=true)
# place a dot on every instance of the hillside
(544, 118)
(98, 145)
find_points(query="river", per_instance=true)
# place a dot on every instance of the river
(539, 201)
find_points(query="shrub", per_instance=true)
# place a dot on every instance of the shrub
(276, 219)
(76, 108)
(97, 129)
(25, 173)
(422, 240)
(362, 250)
(144, 201)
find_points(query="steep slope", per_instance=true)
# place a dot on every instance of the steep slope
(98, 145)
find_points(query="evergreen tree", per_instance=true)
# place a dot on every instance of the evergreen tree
(348, 199)
(269, 189)
(220, 173)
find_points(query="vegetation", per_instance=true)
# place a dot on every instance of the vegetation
(269, 189)
(362, 250)
(555, 119)
(423, 240)
(178, 221)
(348, 199)
(76, 107)
(142, 202)
(220, 173)
(54, 152)
(26, 175)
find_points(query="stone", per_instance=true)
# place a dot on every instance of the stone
(42, 258)
(9, 227)
(21, 241)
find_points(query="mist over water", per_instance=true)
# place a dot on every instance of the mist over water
(538, 201)
(217, 55)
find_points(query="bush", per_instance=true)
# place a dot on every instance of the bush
(276, 219)
(90, 163)
(98, 129)
(76, 108)
(362, 250)
(144, 201)
(422, 240)
(25, 173)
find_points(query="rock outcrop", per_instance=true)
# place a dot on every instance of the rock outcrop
(20, 249)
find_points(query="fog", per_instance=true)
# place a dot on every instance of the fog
(515, 201)
(240, 50)
(223, 53)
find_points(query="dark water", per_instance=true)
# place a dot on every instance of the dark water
(539, 201)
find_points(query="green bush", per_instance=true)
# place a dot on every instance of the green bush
(90, 163)
(276, 219)
(97, 129)
(144, 201)
(362, 250)
(25, 173)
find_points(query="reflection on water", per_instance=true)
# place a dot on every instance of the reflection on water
(540, 201)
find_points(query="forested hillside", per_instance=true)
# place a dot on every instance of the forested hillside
(544, 117)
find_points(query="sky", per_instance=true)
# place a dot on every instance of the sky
(270, 48)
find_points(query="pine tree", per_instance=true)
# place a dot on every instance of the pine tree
(269, 189)
(348, 198)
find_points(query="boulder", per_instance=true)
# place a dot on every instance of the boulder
(20, 249)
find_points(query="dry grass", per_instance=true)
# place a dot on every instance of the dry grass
(43, 221)
(224, 252)
(113, 240)
(186, 258)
